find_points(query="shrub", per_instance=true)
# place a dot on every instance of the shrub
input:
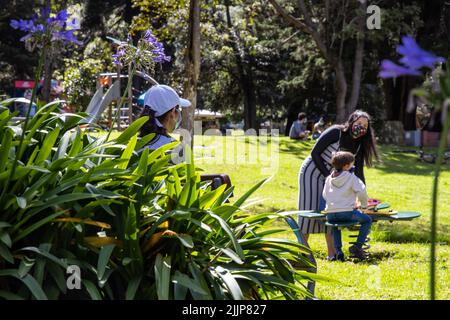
(137, 225)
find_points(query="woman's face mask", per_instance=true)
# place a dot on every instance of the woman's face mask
(358, 131)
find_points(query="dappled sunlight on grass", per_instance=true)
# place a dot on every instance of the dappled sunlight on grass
(400, 251)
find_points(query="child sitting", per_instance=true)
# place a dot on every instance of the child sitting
(342, 189)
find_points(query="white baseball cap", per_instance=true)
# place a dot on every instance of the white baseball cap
(161, 98)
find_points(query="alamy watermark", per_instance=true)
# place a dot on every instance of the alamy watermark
(236, 147)
(373, 280)
(374, 20)
(74, 279)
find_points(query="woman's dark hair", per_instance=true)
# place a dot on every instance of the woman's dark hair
(150, 126)
(368, 141)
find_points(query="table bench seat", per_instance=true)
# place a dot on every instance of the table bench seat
(399, 216)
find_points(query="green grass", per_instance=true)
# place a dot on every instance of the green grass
(400, 264)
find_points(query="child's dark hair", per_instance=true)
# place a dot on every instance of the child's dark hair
(341, 159)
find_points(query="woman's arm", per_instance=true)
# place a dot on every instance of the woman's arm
(359, 164)
(361, 191)
(328, 137)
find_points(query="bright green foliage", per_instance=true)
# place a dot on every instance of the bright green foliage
(137, 225)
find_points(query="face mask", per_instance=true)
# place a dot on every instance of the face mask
(358, 131)
(179, 119)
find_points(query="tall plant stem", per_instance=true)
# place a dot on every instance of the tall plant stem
(437, 170)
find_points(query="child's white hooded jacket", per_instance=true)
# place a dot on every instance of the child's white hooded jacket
(341, 192)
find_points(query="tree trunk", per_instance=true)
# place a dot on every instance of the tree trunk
(341, 92)
(388, 90)
(358, 65)
(250, 112)
(192, 67)
(245, 76)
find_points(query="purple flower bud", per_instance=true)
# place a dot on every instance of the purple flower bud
(116, 60)
(148, 34)
(14, 24)
(26, 37)
(66, 36)
(392, 70)
(62, 15)
(160, 57)
(45, 12)
(415, 57)
(23, 25)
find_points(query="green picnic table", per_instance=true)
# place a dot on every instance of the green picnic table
(399, 216)
(311, 214)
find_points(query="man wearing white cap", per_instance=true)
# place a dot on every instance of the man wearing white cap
(162, 106)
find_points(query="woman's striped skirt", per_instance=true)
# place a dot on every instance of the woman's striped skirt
(311, 183)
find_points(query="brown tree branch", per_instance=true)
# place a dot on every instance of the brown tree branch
(332, 59)
(307, 27)
(290, 18)
(306, 14)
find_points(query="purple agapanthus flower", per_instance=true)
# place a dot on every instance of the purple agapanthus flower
(414, 58)
(148, 51)
(61, 26)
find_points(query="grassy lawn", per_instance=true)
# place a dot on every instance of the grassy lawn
(400, 263)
